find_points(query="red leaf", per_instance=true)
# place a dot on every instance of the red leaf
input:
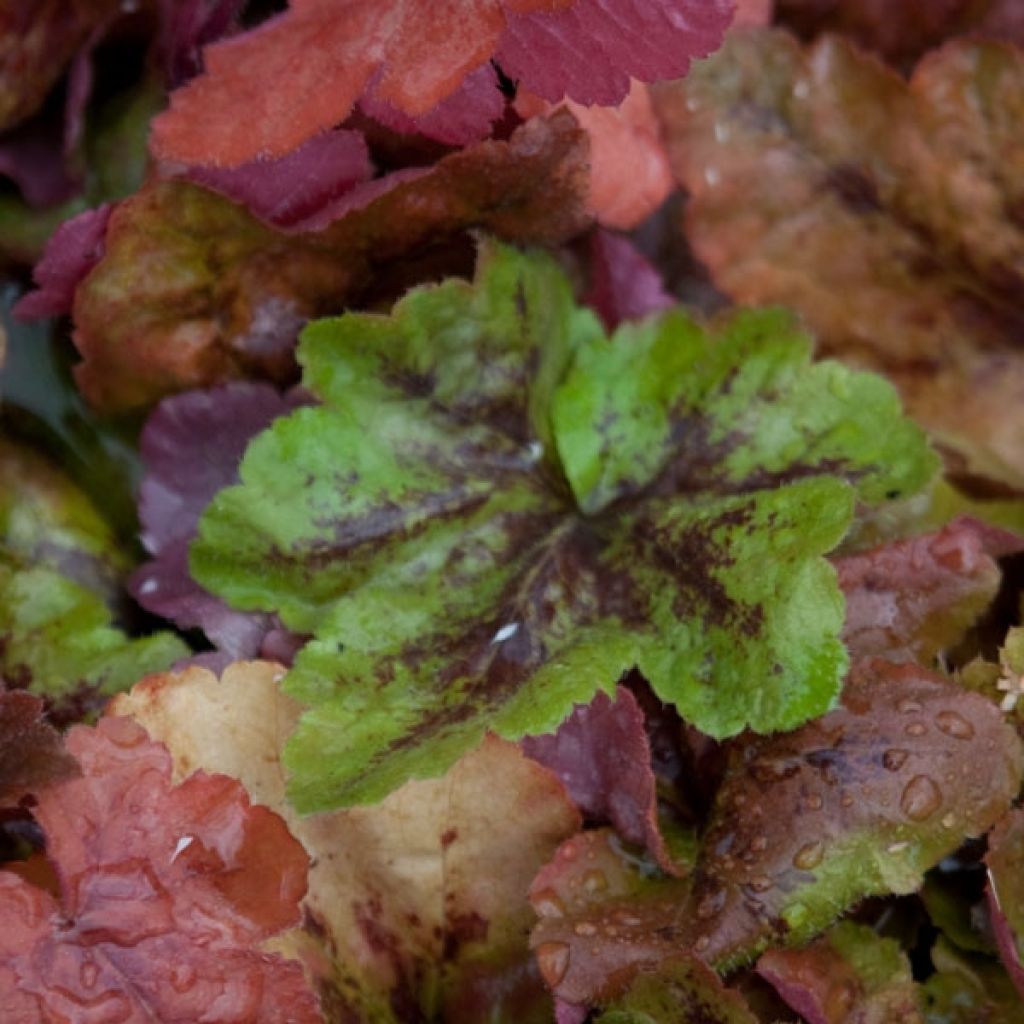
(303, 71)
(623, 285)
(166, 893)
(918, 597)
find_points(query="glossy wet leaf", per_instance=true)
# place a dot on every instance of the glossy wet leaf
(857, 803)
(416, 907)
(165, 896)
(850, 974)
(419, 524)
(885, 211)
(1005, 861)
(606, 912)
(916, 599)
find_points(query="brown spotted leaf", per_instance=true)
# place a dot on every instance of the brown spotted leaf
(415, 906)
(192, 289)
(887, 213)
(859, 802)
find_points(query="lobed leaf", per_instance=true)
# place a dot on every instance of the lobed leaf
(165, 894)
(420, 525)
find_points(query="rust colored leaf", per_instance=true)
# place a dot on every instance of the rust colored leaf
(193, 290)
(915, 598)
(166, 893)
(888, 213)
(418, 903)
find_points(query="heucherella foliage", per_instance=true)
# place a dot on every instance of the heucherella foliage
(497, 510)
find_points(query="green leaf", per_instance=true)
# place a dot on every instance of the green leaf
(497, 511)
(57, 640)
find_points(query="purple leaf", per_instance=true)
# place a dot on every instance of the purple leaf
(458, 120)
(623, 284)
(292, 190)
(191, 447)
(590, 50)
(75, 248)
(186, 26)
(602, 755)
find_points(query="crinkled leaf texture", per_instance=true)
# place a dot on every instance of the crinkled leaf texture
(416, 907)
(166, 894)
(885, 211)
(193, 290)
(497, 511)
(302, 72)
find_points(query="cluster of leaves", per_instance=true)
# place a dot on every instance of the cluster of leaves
(496, 638)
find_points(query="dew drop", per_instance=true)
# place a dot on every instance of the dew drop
(585, 929)
(949, 820)
(908, 707)
(840, 1000)
(809, 856)
(921, 798)
(814, 802)
(760, 883)
(954, 725)
(759, 844)
(895, 759)
(547, 903)
(594, 881)
(846, 800)
(553, 961)
(624, 917)
(916, 729)
(702, 943)
(89, 974)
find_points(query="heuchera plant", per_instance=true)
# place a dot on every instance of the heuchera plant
(511, 512)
